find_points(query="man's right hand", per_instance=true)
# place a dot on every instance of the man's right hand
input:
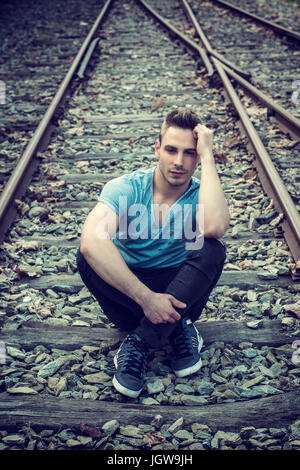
(159, 308)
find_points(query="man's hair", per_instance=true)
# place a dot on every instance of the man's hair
(181, 117)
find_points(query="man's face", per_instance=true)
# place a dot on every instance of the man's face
(177, 155)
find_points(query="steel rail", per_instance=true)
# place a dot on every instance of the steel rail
(289, 122)
(16, 180)
(188, 42)
(87, 58)
(276, 27)
(203, 53)
(269, 176)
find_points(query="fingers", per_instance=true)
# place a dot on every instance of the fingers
(176, 302)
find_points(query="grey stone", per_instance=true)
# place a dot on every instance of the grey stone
(110, 427)
(184, 388)
(14, 439)
(37, 211)
(202, 435)
(155, 387)
(193, 400)
(50, 368)
(182, 435)
(250, 353)
(205, 387)
(176, 425)
(130, 431)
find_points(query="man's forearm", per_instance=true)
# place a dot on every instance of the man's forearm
(105, 259)
(211, 198)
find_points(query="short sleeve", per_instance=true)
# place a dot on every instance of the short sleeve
(118, 194)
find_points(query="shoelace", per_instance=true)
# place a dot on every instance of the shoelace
(135, 358)
(182, 343)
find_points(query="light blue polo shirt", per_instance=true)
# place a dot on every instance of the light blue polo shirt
(141, 242)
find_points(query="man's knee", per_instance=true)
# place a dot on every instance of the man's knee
(210, 247)
(209, 258)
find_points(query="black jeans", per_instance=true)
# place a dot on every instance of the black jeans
(191, 283)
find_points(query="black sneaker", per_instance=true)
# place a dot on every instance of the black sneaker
(130, 362)
(187, 343)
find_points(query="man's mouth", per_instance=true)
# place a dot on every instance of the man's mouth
(175, 172)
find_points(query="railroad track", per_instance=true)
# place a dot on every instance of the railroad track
(38, 44)
(59, 347)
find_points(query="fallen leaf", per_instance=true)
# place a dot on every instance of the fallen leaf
(153, 438)
(41, 308)
(158, 103)
(249, 174)
(92, 432)
(232, 141)
(22, 207)
(246, 264)
(220, 157)
(57, 184)
(76, 131)
(26, 270)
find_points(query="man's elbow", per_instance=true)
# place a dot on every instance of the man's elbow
(216, 230)
(84, 246)
(214, 233)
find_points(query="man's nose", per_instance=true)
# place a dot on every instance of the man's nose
(179, 159)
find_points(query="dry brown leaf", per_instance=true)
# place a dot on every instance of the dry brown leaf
(22, 207)
(57, 184)
(246, 264)
(220, 157)
(76, 131)
(232, 141)
(283, 143)
(92, 432)
(153, 438)
(249, 174)
(41, 308)
(158, 103)
(26, 270)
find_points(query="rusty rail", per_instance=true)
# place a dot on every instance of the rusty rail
(22, 173)
(269, 176)
(258, 19)
(202, 51)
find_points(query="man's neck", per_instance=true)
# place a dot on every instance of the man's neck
(163, 191)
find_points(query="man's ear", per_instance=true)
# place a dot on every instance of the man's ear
(157, 147)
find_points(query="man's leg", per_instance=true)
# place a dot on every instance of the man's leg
(119, 309)
(192, 285)
(130, 360)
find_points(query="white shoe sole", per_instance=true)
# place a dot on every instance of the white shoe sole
(125, 391)
(120, 388)
(194, 368)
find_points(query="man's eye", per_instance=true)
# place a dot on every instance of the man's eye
(191, 154)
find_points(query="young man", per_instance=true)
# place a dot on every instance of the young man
(150, 250)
